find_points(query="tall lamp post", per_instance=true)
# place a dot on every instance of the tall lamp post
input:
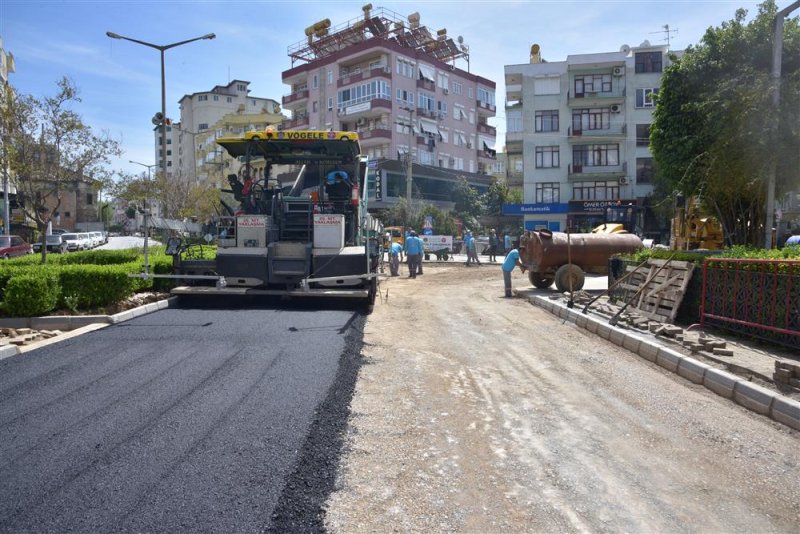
(163, 121)
(149, 181)
(409, 166)
(777, 52)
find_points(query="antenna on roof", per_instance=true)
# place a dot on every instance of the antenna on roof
(667, 32)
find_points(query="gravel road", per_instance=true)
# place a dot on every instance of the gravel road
(476, 413)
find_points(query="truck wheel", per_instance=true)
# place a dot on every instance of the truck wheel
(542, 281)
(568, 272)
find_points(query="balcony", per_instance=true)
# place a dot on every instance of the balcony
(487, 154)
(360, 75)
(381, 132)
(615, 131)
(361, 108)
(483, 106)
(295, 97)
(488, 130)
(595, 98)
(429, 113)
(297, 122)
(426, 84)
(580, 173)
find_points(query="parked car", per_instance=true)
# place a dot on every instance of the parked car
(56, 243)
(98, 238)
(55, 231)
(88, 240)
(74, 242)
(13, 245)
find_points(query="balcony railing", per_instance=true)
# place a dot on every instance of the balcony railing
(300, 120)
(354, 77)
(615, 130)
(485, 106)
(599, 171)
(587, 98)
(426, 84)
(295, 97)
(485, 128)
(379, 131)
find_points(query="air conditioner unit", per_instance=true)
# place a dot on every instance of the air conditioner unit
(618, 71)
(361, 122)
(446, 91)
(469, 145)
(623, 180)
(616, 108)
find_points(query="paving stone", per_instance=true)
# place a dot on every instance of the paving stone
(722, 352)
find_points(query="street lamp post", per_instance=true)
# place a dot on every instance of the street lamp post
(146, 231)
(162, 49)
(409, 166)
(777, 51)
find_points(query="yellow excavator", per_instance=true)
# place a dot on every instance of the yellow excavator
(691, 229)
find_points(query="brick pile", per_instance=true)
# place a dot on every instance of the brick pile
(25, 336)
(787, 375)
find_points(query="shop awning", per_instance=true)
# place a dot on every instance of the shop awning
(427, 73)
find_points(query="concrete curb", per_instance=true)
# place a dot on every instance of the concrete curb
(73, 325)
(751, 396)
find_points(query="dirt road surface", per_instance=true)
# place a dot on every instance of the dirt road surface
(476, 413)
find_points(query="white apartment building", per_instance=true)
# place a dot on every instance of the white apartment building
(390, 79)
(201, 113)
(577, 135)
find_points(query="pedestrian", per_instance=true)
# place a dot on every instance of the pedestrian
(396, 253)
(494, 245)
(413, 250)
(472, 250)
(512, 260)
(507, 244)
(468, 239)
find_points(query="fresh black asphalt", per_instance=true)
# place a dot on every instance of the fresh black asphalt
(188, 419)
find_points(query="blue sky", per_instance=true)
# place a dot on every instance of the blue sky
(120, 83)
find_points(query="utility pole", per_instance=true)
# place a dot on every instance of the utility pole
(409, 165)
(777, 52)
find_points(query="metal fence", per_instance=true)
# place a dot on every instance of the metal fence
(760, 298)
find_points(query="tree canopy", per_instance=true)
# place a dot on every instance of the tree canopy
(48, 148)
(715, 129)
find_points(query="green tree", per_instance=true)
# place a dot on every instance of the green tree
(468, 203)
(497, 195)
(47, 147)
(711, 135)
(443, 223)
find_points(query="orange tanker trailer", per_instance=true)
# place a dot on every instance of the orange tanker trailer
(547, 255)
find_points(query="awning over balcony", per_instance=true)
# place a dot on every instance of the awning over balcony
(427, 73)
(429, 127)
(488, 145)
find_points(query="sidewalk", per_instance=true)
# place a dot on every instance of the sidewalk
(746, 375)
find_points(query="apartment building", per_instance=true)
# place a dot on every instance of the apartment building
(204, 114)
(577, 135)
(396, 83)
(7, 66)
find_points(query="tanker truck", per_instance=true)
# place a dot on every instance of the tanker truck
(561, 258)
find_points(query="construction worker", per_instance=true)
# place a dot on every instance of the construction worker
(511, 261)
(395, 256)
(414, 251)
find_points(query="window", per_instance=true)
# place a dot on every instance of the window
(216, 98)
(648, 62)
(593, 83)
(441, 81)
(405, 96)
(329, 76)
(644, 170)
(514, 121)
(314, 106)
(363, 93)
(591, 119)
(228, 99)
(202, 98)
(548, 192)
(405, 68)
(485, 96)
(441, 107)
(547, 121)
(469, 92)
(547, 157)
(426, 101)
(315, 82)
(241, 87)
(595, 155)
(330, 103)
(642, 135)
(67, 214)
(595, 191)
(646, 98)
(202, 126)
(458, 88)
(547, 86)
(89, 198)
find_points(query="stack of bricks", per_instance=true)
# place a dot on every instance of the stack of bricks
(24, 336)
(787, 375)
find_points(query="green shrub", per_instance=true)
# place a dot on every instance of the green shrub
(88, 286)
(101, 257)
(32, 294)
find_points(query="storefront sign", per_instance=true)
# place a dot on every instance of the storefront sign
(531, 209)
(596, 206)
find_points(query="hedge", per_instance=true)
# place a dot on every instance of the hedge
(32, 294)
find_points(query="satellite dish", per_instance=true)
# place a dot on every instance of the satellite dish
(460, 40)
(645, 43)
(624, 49)
(535, 49)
